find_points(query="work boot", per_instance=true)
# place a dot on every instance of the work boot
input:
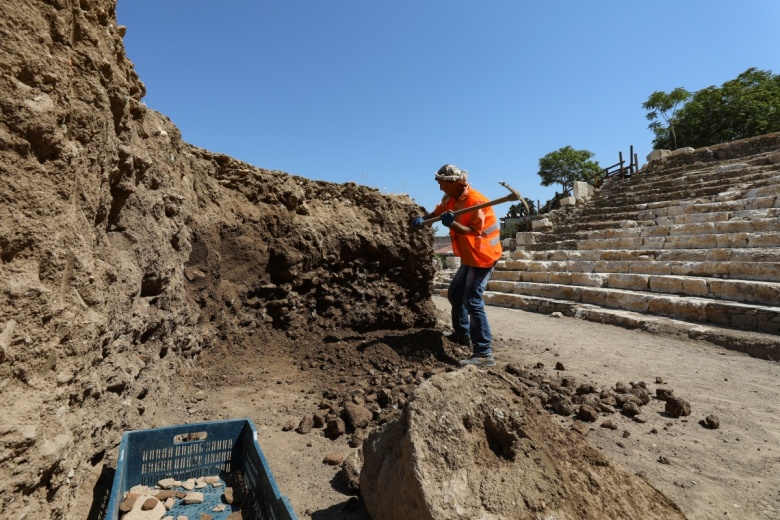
(480, 361)
(463, 341)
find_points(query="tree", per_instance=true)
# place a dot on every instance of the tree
(743, 107)
(518, 210)
(665, 105)
(566, 165)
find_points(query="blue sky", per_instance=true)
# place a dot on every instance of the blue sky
(382, 93)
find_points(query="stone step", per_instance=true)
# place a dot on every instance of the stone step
(660, 255)
(759, 318)
(628, 195)
(686, 236)
(735, 270)
(758, 345)
(723, 174)
(564, 273)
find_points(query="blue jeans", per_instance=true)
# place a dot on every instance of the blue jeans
(468, 309)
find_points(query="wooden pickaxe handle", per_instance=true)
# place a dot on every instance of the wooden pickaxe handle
(515, 195)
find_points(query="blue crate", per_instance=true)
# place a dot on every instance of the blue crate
(199, 450)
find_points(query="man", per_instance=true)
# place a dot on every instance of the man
(476, 240)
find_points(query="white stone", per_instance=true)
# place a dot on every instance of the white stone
(658, 154)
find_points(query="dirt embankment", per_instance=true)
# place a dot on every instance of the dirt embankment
(126, 253)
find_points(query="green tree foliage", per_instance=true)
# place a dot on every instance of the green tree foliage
(566, 165)
(518, 210)
(743, 107)
(664, 106)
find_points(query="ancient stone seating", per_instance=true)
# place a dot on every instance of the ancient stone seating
(693, 237)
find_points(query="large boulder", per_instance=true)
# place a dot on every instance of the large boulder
(472, 444)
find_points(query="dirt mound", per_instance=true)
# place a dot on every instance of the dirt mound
(474, 444)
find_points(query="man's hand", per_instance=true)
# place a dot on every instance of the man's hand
(448, 218)
(417, 222)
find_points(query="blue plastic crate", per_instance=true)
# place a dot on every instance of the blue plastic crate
(196, 450)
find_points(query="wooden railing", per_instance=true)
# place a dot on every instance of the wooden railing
(620, 169)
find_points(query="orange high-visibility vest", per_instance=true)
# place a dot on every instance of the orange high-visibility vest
(482, 248)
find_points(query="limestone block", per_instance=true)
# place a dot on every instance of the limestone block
(662, 305)
(629, 243)
(744, 320)
(567, 201)
(701, 228)
(678, 209)
(763, 239)
(502, 300)
(653, 243)
(527, 238)
(652, 214)
(656, 155)
(654, 231)
(634, 282)
(560, 278)
(691, 309)
(624, 233)
(687, 150)
(516, 265)
(593, 296)
(589, 279)
(597, 234)
(536, 266)
(695, 287)
(536, 277)
(731, 240)
(743, 226)
(512, 276)
(763, 191)
(583, 190)
(508, 244)
(560, 292)
(769, 271)
(499, 286)
(690, 242)
(579, 266)
(542, 225)
(652, 267)
(521, 255)
(636, 302)
(666, 284)
(530, 289)
(717, 313)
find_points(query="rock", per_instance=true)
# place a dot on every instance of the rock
(193, 497)
(609, 423)
(166, 483)
(677, 407)
(306, 425)
(127, 504)
(333, 459)
(336, 428)
(631, 409)
(664, 393)
(641, 394)
(712, 421)
(149, 504)
(288, 425)
(559, 366)
(357, 416)
(350, 472)
(587, 413)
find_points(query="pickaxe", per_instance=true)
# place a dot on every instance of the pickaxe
(515, 195)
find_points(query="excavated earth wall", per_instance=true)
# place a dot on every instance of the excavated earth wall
(126, 253)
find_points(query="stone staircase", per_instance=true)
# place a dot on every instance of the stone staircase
(691, 243)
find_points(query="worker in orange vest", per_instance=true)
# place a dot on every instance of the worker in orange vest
(476, 240)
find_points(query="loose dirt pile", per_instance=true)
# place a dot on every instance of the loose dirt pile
(478, 445)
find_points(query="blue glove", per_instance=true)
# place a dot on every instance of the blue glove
(448, 218)
(417, 222)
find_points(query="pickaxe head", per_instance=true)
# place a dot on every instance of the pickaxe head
(516, 196)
